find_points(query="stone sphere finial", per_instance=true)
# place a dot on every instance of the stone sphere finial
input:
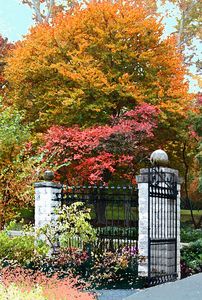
(159, 158)
(48, 175)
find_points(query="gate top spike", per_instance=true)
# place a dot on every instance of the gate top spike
(159, 158)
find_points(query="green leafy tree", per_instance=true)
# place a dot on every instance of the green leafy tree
(13, 135)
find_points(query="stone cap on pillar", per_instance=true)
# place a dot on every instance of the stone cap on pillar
(144, 174)
(48, 177)
(45, 184)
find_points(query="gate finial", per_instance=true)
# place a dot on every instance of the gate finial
(48, 175)
(159, 158)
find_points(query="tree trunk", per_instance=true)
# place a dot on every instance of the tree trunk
(186, 185)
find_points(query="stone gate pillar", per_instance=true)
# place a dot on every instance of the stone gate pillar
(142, 181)
(160, 215)
(47, 198)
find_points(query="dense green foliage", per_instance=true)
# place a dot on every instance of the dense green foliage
(13, 133)
(72, 222)
(191, 258)
(20, 249)
(188, 234)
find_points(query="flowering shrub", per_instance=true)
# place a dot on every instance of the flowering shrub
(67, 262)
(23, 284)
(109, 269)
(114, 269)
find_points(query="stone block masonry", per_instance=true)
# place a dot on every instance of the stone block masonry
(47, 196)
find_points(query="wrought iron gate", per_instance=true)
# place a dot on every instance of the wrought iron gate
(162, 229)
(114, 214)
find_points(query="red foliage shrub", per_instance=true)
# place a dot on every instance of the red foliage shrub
(99, 153)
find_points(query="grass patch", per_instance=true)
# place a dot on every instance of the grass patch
(187, 212)
(186, 215)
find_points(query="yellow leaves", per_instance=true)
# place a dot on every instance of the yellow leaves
(75, 97)
(125, 78)
(160, 93)
(93, 108)
(147, 55)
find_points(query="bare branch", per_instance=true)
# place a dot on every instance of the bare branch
(42, 9)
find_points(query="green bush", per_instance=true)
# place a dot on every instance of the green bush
(20, 249)
(72, 224)
(189, 234)
(191, 258)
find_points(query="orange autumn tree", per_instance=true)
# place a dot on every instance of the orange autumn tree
(99, 59)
